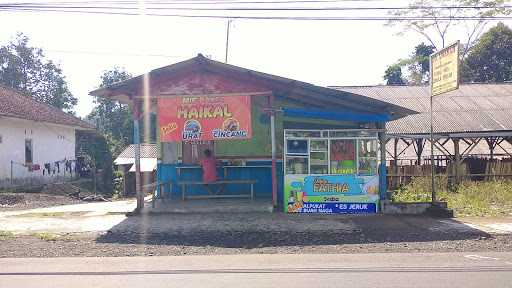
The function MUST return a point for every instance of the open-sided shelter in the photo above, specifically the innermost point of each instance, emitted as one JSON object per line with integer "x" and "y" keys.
{"x": 472, "y": 122}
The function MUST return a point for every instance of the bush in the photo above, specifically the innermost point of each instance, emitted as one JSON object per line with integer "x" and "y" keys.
{"x": 491, "y": 198}
{"x": 420, "y": 189}
{"x": 118, "y": 185}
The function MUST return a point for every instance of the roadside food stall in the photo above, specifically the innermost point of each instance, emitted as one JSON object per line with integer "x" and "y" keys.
{"x": 331, "y": 171}
{"x": 303, "y": 148}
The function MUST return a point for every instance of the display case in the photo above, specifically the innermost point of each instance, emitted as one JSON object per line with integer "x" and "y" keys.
{"x": 353, "y": 152}
{"x": 319, "y": 158}
{"x": 331, "y": 171}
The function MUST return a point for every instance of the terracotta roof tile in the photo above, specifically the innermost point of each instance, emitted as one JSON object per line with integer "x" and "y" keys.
{"x": 17, "y": 105}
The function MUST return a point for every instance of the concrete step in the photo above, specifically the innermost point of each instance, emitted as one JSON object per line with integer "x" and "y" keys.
{"x": 439, "y": 212}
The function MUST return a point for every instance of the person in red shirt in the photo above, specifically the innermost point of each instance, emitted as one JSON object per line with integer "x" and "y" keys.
{"x": 209, "y": 165}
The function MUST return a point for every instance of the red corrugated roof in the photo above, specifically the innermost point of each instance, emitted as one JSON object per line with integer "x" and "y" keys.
{"x": 14, "y": 104}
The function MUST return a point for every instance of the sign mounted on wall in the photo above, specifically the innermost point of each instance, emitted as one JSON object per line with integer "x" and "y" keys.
{"x": 331, "y": 194}
{"x": 445, "y": 70}
{"x": 204, "y": 118}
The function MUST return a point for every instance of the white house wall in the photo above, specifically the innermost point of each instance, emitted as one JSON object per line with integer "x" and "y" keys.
{"x": 50, "y": 143}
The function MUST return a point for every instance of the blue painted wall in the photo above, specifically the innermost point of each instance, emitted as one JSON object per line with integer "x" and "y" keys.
{"x": 262, "y": 189}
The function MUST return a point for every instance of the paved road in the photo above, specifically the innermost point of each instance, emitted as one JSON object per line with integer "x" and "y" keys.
{"x": 343, "y": 270}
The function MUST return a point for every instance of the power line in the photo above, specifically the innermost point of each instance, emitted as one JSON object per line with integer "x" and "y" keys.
{"x": 113, "y": 53}
{"x": 246, "y": 17}
{"x": 19, "y": 6}
{"x": 193, "y": 2}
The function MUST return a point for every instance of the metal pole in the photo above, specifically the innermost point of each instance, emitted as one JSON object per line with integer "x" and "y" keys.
{"x": 383, "y": 185}
{"x": 12, "y": 180}
{"x": 136, "y": 142}
{"x": 227, "y": 42}
{"x": 432, "y": 166}
{"x": 273, "y": 144}
{"x": 274, "y": 167}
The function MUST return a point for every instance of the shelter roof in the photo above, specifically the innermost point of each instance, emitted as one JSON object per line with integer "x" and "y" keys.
{"x": 169, "y": 81}
{"x": 473, "y": 109}
{"x": 147, "y": 150}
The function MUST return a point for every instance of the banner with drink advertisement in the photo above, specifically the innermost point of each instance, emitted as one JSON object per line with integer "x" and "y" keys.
{"x": 331, "y": 194}
{"x": 204, "y": 118}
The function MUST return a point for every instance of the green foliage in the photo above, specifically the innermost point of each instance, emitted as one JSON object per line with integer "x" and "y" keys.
{"x": 426, "y": 22}
{"x": 418, "y": 65}
{"x": 26, "y": 69}
{"x": 6, "y": 234}
{"x": 118, "y": 185}
{"x": 45, "y": 236}
{"x": 111, "y": 118}
{"x": 490, "y": 60}
{"x": 491, "y": 198}
{"x": 99, "y": 156}
{"x": 420, "y": 189}
{"x": 393, "y": 75}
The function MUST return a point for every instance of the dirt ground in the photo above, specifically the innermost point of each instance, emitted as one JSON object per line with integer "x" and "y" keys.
{"x": 83, "y": 245}
{"x": 270, "y": 233}
{"x": 102, "y": 229}
{"x": 23, "y": 201}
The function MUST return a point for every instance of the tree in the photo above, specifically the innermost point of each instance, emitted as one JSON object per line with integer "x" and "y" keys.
{"x": 26, "y": 69}
{"x": 393, "y": 75}
{"x": 490, "y": 60}
{"x": 113, "y": 119}
{"x": 418, "y": 65}
{"x": 434, "y": 21}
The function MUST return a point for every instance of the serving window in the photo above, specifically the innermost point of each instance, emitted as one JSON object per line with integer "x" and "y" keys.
{"x": 339, "y": 152}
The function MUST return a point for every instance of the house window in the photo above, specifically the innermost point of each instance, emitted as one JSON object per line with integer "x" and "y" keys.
{"x": 29, "y": 156}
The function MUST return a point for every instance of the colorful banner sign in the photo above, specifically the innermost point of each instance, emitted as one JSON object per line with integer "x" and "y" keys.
{"x": 204, "y": 118}
{"x": 330, "y": 194}
{"x": 445, "y": 70}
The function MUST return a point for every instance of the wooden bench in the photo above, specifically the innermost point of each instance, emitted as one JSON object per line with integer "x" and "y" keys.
{"x": 216, "y": 194}
{"x": 153, "y": 193}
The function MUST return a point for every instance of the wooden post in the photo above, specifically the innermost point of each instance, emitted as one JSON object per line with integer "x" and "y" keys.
{"x": 395, "y": 180}
{"x": 456, "y": 148}
{"x": 419, "y": 152}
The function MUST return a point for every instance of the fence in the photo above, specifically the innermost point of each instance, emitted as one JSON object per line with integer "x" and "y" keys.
{"x": 474, "y": 169}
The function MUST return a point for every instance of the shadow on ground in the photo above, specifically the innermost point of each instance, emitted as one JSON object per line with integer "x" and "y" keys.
{"x": 258, "y": 230}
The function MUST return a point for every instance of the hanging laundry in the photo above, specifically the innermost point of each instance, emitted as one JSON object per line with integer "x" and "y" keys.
{"x": 68, "y": 166}
{"x": 46, "y": 168}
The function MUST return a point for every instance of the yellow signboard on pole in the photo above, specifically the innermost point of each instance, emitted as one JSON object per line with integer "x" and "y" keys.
{"x": 444, "y": 77}
{"x": 445, "y": 70}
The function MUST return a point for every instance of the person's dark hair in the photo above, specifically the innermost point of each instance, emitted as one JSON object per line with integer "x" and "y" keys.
{"x": 207, "y": 152}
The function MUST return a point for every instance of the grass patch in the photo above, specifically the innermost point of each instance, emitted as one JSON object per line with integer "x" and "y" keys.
{"x": 6, "y": 234}
{"x": 45, "y": 236}
{"x": 52, "y": 214}
{"x": 492, "y": 198}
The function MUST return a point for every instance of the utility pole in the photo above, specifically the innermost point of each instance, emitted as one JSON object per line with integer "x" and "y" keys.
{"x": 227, "y": 41}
